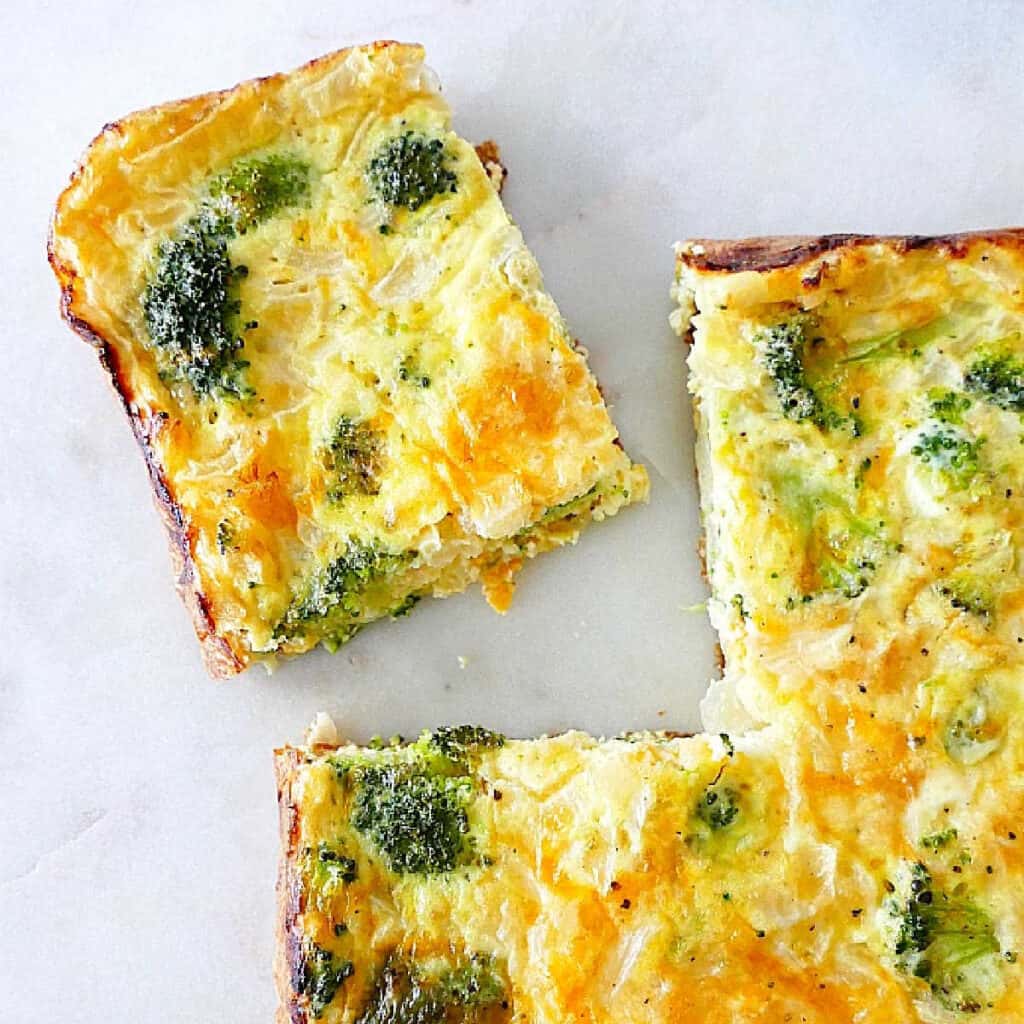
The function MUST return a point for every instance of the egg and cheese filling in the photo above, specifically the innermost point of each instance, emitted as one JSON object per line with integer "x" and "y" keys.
{"x": 471, "y": 878}
{"x": 352, "y": 385}
{"x": 861, "y": 436}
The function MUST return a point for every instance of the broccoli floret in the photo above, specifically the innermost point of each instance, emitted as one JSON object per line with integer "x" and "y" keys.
{"x": 353, "y": 458}
{"x": 969, "y": 595}
{"x": 914, "y": 913}
{"x": 474, "y": 984}
{"x": 409, "y": 170}
{"x": 782, "y": 354}
{"x": 405, "y": 606}
{"x": 346, "y": 575}
{"x": 998, "y": 378}
{"x": 318, "y": 976}
{"x": 190, "y": 303}
{"x": 410, "y": 373}
{"x": 563, "y": 510}
{"x": 412, "y": 815}
{"x": 333, "y": 865}
{"x": 910, "y": 342}
{"x": 939, "y": 840}
{"x": 190, "y": 308}
{"x": 841, "y": 549}
{"x": 950, "y": 453}
{"x": 718, "y": 806}
{"x": 326, "y": 869}
{"x": 974, "y": 729}
{"x": 945, "y": 940}
{"x": 411, "y": 993}
{"x": 458, "y": 742}
{"x": 255, "y": 189}
{"x": 330, "y": 599}
{"x": 850, "y": 578}
{"x": 948, "y": 406}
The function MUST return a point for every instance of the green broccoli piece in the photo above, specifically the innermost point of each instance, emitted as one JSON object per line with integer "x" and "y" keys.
{"x": 950, "y": 453}
{"x": 190, "y": 307}
{"x": 326, "y": 869}
{"x": 190, "y": 303}
{"x": 318, "y": 976}
{"x": 973, "y": 730}
{"x": 458, "y": 742}
{"x": 850, "y": 578}
{"x": 948, "y": 406}
{"x": 353, "y": 458}
{"x": 330, "y": 602}
{"x": 783, "y": 347}
{"x": 411, "y": 993}
{"x": 413, "y": 815}
{"x": 945, "y": 940}
{"x": 475, "y": 984}
{"x": 909, "y": 342}
{"x": 939, "y": 840}
{"x": 998, "y": 378}
{"x": 718, "y": 806}
{"x": 253, "y": 190}
{"x": 967, "y": 594}
{"x": 410, "y": 373}
{"x": 405, "y": 606}
{"x": 333, "y": 865}
{"x": 563, "y": 510}
{"x": 841, "y": 549}
{"x": 409, "y": 170}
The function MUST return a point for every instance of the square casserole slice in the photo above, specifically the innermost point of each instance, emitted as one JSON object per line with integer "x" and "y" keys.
{"x": 335, "y": 350}
{"x": 859, "y": 405}
{"x": 468, "y": 879}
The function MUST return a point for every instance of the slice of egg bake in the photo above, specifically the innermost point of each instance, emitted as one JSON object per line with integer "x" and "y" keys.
{"x": 860, "y": 415}
{"x": 335, "y": 350}
{"x": 470, "y": 879}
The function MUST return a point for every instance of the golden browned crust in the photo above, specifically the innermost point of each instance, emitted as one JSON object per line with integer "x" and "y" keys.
{"x": 490, "y": 156}
{"x": 288, "y": 958}
{"x": 220, "y": 659}
{"x": 221, "y": 656}
{"x": 774, "y": 252}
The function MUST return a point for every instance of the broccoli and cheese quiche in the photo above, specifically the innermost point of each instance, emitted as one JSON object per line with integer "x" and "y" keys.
{"x": 469, "y": 879}
{"x": 335, "y": 350}
{"x": 860, "y": 412}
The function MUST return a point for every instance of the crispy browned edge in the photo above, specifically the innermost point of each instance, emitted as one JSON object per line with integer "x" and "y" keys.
{"x": 777, "y": 252}
{"x": 288, "y": 952}
{"x": 774, "y": 252}
{"x": 220, "y": 658}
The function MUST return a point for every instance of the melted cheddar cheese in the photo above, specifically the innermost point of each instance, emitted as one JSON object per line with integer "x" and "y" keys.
{"x": 338, "y": 353}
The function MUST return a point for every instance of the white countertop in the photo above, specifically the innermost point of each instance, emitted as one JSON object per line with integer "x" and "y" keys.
{"x": 138, "y": 821}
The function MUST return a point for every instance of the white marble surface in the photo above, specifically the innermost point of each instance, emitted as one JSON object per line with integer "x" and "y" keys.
{"x": 137, "y": 819}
